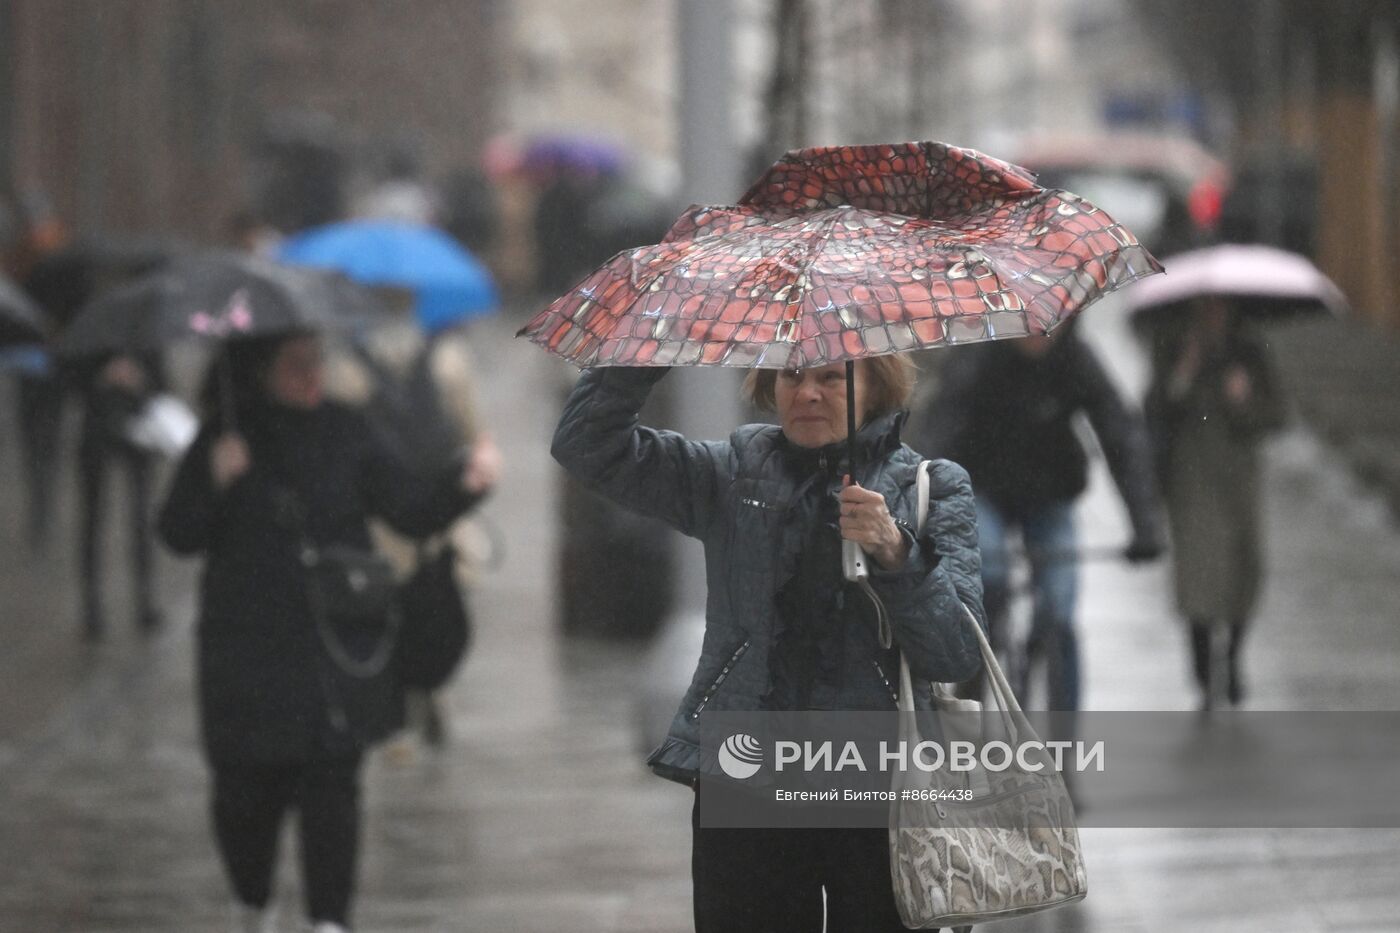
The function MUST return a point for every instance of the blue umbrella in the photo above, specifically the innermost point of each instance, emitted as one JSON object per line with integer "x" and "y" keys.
{"x": 448, "y": 283}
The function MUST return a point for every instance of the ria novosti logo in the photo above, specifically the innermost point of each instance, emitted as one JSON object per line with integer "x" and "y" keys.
{"x": 740, "y": 756}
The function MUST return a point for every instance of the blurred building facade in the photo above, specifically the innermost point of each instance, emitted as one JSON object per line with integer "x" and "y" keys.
{"x": 1316, "y": 82}
{"x": 169, "y": 115}
{"x": 605, "y": 68}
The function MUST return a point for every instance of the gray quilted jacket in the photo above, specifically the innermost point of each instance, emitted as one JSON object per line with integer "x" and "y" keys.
{"x": 733, "y": 496}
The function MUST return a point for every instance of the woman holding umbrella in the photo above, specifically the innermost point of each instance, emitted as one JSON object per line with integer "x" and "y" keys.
{"x": 785, "y": 631}
{"x": 1211, "y": 401}
{"x": 835, "y": 262}
{"x": 277, "y": 474}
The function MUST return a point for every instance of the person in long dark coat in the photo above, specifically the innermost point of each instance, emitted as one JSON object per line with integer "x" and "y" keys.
{"x": 284, "y": 725}
{"x": 1212, "y": 400}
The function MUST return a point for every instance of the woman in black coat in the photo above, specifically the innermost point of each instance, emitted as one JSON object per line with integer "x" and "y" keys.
{"x": 284, "y": 725}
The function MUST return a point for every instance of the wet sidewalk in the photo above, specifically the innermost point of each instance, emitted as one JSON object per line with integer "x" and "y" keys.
{"x": 539, "y": 816}
{"x": 1345, "y": 378}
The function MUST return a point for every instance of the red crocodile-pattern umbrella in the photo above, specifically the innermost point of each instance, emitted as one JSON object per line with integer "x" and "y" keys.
{"x": 845, "y": 252}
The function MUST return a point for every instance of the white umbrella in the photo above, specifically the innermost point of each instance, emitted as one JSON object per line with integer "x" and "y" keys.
{"x": 1263, "y": 281}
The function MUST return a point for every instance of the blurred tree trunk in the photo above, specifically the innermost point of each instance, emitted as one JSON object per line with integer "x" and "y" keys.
{"x": 786, "y": 117}
{"x": 1343, "y": 110}
{"x": 1353, "y": 234}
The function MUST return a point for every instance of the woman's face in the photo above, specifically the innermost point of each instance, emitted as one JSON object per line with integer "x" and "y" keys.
{"x": 295, "y": 377}
{"x": 812, "y": 403}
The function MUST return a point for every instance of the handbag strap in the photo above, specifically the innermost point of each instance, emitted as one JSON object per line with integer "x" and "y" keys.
{"x": 373, "y": 664}
{"x": 378, "y": 659}
{"x": 1007, "y": 705}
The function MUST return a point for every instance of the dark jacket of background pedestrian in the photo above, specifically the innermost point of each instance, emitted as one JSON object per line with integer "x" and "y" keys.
{"x": 1006, "y": 412}
{"x": 1008, "y": 418}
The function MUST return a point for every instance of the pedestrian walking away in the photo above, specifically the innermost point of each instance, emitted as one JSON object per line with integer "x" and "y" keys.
{"x": 55, "y": 292}
{"x": 289, "y": 702}
{"x": 417, "y": 388}
{"x": 1212, "y": 399}
{"x": 784, "y": 629}
{"x": 114, "y": 390}
{"x": 1005, "y": 412}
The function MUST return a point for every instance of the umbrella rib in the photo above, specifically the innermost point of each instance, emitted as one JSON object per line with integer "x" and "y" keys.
{"x": 814, "y": 250}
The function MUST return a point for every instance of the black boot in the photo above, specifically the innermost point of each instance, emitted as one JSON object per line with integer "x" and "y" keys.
{"x": 1234, "y": 688}
{"x": 1201, "y": 662}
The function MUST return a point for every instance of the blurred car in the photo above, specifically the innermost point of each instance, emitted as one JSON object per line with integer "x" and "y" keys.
{"x": 1168, "y": 190}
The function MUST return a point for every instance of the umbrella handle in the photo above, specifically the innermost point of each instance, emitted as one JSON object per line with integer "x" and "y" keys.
{"x": 855, "y": 566}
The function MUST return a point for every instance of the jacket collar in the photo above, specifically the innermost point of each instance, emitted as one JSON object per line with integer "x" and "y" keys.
{"x": 875, "y": 440}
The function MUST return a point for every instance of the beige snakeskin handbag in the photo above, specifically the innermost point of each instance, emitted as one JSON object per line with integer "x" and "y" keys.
{"x": 1012, "y": 848}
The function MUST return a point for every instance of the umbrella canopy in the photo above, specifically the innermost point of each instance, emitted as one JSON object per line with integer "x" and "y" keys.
{"x": 216, "y": 296}
{"x": 547, "y": 156}
{"x": 449, "y": 284}
{"x": 846, "y": 252}
{"x": 65, "y": 280}
{"x": 19, "y": 317}
{"x": 586, "y": 155}
{"x": 1260, "y": 281}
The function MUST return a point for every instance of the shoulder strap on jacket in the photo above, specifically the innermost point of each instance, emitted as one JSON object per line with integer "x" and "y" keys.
{"x": 921, "y": 512}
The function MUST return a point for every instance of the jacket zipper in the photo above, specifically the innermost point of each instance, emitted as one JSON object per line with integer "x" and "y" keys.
{"x": 724, "y": 672}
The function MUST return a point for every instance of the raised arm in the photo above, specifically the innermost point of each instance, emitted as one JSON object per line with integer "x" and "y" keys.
{"x": 413, "y": 504}
{"x": 602, "y": 443}
{"x": 1122, "y": 434}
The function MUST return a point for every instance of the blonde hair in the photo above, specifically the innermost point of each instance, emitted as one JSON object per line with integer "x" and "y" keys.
{"x": 889, "y": 379}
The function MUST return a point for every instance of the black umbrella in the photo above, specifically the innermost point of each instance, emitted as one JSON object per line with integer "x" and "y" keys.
{"x": 217, "y": 296}
{"x": 64, "y": 281}
{"x": 19, "y": 316}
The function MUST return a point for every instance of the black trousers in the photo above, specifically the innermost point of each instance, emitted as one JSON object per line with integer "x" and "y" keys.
{"x": 96, "y": 458}
{"x": 771, "y": 880}
{"x": 250, "y": 802}
{"x": 40, "y": 402}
